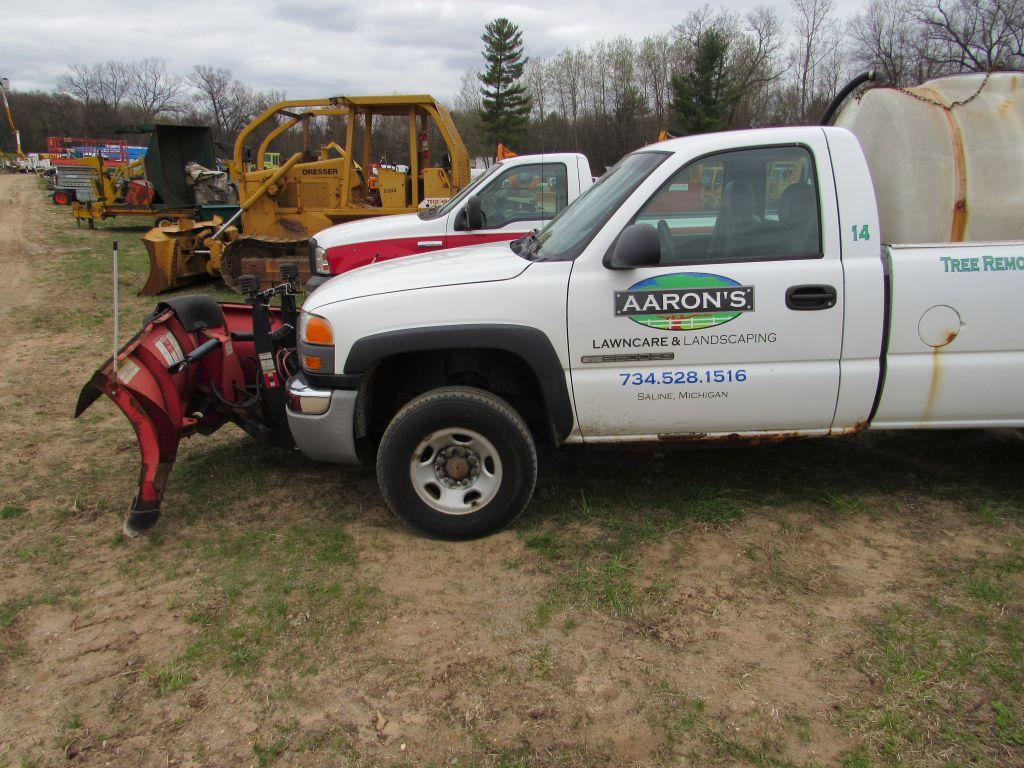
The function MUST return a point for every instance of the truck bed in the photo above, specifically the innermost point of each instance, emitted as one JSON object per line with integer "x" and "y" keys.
{"x": 954, "y": 353}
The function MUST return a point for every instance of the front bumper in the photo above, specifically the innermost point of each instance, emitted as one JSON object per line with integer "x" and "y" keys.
{"x": 327, "y": 435}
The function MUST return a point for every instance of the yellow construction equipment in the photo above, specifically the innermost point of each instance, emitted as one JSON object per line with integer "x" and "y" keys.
{"x": 156, "y": 185}
{"x": 120, "y": 189}
{"x": 5, "y": 84}
{"x": 281, "y": 208}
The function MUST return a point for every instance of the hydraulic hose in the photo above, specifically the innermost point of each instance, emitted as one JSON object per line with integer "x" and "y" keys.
{"x": 833, "y": 106}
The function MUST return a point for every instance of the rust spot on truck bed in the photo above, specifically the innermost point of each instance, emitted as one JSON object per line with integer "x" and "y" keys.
{"x": 933, "y": 385}
{"x": 935, "y": 382}
{"x": 860, "y": 426}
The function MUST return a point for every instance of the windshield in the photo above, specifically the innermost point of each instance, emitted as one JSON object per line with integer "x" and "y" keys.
{"x": 570, "y": 232}
{"x": 433, "y": 213}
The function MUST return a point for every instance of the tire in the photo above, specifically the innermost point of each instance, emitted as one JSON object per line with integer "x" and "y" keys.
{"x": 457, "y": 463}
{"x": 61, "y": 197}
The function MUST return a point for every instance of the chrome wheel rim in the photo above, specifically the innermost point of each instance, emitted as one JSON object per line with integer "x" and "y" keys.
{"x": 456, "y": 471}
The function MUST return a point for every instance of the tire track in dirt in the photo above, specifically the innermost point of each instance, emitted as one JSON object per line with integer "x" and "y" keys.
{"x": 23, "y": 252}
{"x": 66, "y": 662}
{"x": 20, "y": 222}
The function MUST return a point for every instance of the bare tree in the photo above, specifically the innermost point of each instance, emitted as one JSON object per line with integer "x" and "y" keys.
{"x": 226, "y": 103}
{"x": 80, "y": 81}
{"x": 569, "y": 70}
{"x": 755, "y": 61}
{"x": 654, "y": 70}
{"x": 113, "y": 80}
{"x": 888, "y": 39}
{"x": 537, "y": 80}
{"x": 153, "y": 90}
{"x": 466, "y": 113}
{"x": 468, "y": 97}
{"x": 597, "y": 75}
{"x": 757, "y": 64}
{"x": 628, "y": 103}
{"x": 693, "y": 26}
{"x": 974, "y": 35}
{"x": 815, "y": 54}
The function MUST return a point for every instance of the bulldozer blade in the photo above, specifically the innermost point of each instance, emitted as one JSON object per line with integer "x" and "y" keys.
{"x": 176, "y": 256}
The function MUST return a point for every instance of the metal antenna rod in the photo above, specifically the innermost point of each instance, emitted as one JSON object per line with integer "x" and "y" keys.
{"x": 117, "y": 328}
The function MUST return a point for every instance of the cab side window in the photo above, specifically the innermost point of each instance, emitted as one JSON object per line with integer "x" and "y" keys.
{"x": 525, "y": 193}
{"x": 747, "y": 205}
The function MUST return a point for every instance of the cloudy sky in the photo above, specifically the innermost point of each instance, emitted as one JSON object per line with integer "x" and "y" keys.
{"x": 313, "y": 48}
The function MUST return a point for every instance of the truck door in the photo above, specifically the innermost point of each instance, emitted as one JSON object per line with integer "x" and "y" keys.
{"x": 519, "y": 199}
{"x": 738, "y": 329}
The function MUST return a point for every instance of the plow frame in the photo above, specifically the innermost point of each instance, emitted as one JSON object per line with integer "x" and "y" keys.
{"x": 193, "y": 367}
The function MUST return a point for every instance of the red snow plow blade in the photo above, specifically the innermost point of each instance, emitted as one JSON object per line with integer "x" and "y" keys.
{"x": 193, "y": 367}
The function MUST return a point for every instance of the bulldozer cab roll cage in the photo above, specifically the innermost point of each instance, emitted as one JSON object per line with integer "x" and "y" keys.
{"x": 420, "y": 110}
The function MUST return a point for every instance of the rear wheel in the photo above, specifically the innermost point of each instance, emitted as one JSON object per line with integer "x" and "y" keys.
{"x": 457, "y": 463}
{"x": 61, "y": 197}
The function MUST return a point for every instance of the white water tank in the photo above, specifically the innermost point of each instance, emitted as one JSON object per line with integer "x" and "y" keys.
{"x": 945, "y": 171}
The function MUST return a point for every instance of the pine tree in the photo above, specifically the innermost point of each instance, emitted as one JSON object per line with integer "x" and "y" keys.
{"x": 506, "y": 104}
{"x": 704, "y": 97}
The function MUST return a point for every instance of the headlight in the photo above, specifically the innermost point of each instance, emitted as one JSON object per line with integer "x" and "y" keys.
{"x": 323, "y": 266}
{"x": 314, "y": 329}
{"x": 318, "y": 259}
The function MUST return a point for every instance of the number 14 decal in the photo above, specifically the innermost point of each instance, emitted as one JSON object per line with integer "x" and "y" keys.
{"x": 861, "y": 232}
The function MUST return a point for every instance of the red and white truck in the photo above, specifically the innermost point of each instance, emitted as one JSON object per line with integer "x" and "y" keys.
{"x": 512, "y": 197}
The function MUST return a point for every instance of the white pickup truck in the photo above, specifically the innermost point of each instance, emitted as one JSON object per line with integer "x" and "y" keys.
{"x": 729, "y": 285}
{"x": 509, "y": 199}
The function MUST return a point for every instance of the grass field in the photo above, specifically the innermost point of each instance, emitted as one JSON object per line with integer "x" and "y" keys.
{"x": 849, "y": 603}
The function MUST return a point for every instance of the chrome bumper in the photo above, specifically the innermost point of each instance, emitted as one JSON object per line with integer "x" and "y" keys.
{"x": 322, "y": 421}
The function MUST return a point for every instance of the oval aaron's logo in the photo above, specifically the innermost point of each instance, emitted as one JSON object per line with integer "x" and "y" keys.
{"x": 684, "y": 301}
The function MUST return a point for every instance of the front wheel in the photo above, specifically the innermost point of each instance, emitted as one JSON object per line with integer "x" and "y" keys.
{"x": 457, "y": 463}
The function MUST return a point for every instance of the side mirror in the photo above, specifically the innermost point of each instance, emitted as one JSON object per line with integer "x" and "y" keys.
{"x": 471, "y": 216}
{"x": 637, "y": 246}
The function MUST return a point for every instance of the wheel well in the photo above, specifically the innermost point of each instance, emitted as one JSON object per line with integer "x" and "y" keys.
{"x": 393, "y": 381}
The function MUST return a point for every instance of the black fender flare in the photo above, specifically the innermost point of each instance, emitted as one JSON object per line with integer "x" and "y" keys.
{"x": 530, "y": 344}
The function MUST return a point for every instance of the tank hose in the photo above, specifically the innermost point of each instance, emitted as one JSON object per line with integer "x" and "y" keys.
{"x": 837, "y": 101}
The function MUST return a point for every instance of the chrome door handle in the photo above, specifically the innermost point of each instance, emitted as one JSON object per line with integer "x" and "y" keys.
{"x": 429, "y": 244}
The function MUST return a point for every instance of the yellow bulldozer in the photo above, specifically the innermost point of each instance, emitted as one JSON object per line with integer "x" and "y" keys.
{"x": 281, "y": 208}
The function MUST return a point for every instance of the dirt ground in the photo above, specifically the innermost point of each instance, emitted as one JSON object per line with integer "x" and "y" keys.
{"x": 838, "y": 602}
